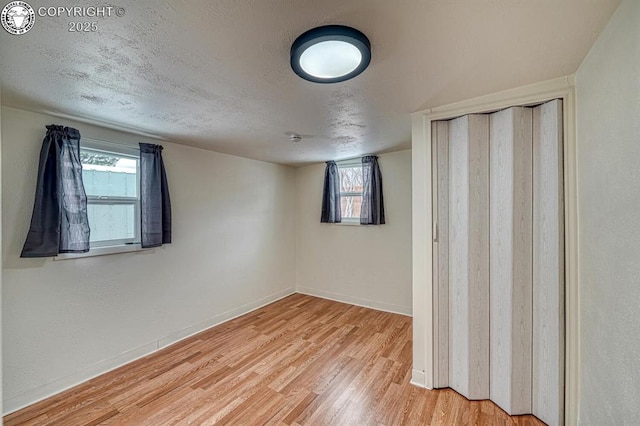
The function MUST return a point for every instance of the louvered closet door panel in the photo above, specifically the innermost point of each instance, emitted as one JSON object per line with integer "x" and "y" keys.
{"x": 469, "y": 246}
{"x": 511, "y": 259}
{"x": 440, "y": 141}
{"x": 548, "y": 264}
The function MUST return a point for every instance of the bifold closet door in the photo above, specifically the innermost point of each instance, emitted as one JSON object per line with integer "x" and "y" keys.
{"x": 440, "y": 169}
{"x": 469, "y": 246}
{"x": 510, "y": 256}
{"x": 548, "y": 264}
{"x": 499, "y": 258}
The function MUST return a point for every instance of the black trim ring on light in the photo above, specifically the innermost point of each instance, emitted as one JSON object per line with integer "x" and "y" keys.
{"x": 330, "y": 33}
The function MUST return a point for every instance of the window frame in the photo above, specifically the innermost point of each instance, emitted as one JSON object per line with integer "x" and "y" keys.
{"x": 121, "y": 245}
{"x": 348, "y": 164}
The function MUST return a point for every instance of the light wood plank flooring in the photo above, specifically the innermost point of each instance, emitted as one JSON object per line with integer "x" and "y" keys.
{"x": 299, "y": 361}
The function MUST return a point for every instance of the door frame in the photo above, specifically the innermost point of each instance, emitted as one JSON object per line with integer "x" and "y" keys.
{"x": 425, "y": 313}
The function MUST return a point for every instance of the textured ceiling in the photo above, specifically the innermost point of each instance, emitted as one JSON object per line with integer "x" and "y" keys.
{"x": 215, "y": 74}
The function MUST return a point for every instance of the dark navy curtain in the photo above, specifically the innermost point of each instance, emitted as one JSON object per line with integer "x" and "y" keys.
{"x": 331, "y": 195}
{"x": 372, "y": 211}
{"x": 155, "y": 204}
{"x": 59, "y": 222}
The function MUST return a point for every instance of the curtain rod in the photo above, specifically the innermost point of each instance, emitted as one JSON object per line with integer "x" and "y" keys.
{"x": 355, "y": 159}
{"x": 123, "y": 145}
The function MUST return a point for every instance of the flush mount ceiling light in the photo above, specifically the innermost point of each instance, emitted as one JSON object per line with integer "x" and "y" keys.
{"x": 330, "y": 54}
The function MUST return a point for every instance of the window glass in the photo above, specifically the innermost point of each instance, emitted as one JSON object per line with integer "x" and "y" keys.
{"x": 350, "y": 192}
{"x": 111, "y": 221}
{"x": 350, "y": 206}
{"x": 106, "y": 174}
{"x": 113, "y": 206}
{"x": 351, "y": 179}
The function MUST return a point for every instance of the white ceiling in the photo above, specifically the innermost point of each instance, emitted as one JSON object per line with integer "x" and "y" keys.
{"x": 215, "y": 74}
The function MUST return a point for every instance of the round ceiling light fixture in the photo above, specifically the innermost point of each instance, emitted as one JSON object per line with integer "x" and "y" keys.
{"x": 330, "y": 54}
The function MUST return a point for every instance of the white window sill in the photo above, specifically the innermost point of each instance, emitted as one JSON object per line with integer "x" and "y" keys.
{"x": 349, "y": 222}
{"x": 101, "y": 251}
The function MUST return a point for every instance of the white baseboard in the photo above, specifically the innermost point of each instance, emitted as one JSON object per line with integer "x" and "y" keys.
{"x": 418, "y": 378}
{"x": 358, "y": 301}
{"x": 32, "y": 396}
{"x": 224, "y": 317}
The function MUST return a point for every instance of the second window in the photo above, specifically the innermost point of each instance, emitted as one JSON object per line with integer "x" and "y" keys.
{"x": 351, "y": 187}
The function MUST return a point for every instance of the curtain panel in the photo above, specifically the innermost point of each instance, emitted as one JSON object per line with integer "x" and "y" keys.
{"x": 331, "y": 195}
{"x": 155, "y": 204}
{"x": 59, "y": 222}
{"x": 372, "y": 211}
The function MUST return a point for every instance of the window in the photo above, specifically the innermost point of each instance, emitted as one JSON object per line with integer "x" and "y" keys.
{"x": 111, "y": 181}
{"x": 351, "y": 187}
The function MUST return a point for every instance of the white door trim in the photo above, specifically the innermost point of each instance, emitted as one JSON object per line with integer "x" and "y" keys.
{"x": 423, "y": 313}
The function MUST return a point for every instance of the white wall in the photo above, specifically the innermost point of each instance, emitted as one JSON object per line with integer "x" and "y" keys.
{"x": 363, "y": 265}
{"x": 1, "y": 272}
{"x": 66, "y": 321}
{"x": 608, "y": 112}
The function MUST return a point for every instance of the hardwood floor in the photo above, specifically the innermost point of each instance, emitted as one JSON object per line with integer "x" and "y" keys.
{"x": 299, "y": 361}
